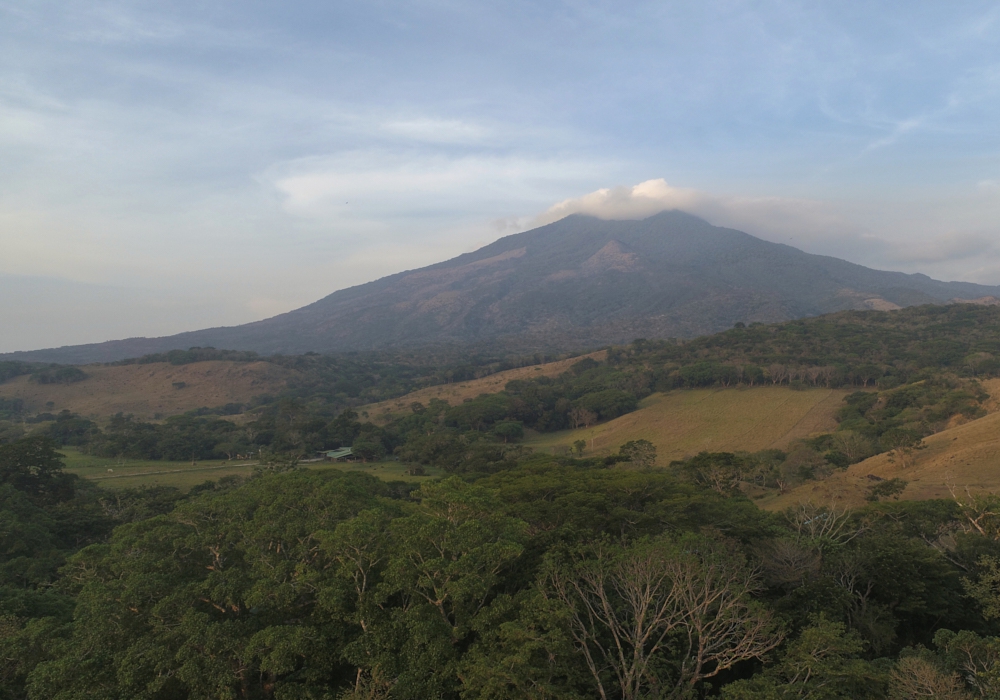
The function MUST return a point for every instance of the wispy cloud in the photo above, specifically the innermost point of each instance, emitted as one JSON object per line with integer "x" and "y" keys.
{"x": 380, "y": 183}
{"x": 438, "y": 131}
{"x": 242, "y": 148}
{"x": 817, "y": 226}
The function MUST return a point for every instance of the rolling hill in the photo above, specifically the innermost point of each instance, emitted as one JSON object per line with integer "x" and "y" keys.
{"x": 457, "y": 392}
{"x": 683, "y": 423}
{"x": 964, "y": 456}
{"x": 579, "y": 282}
{"x": 151, "y": 390}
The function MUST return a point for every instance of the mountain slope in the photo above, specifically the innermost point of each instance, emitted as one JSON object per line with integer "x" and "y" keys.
{"x": 578, "y": 282}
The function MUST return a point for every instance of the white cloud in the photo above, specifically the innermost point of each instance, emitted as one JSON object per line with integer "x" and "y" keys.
{"x": 911, "y": 236}
{"x": 636, "y": 202}
{"x": 437, "y": 131}
{"x": 774, "y": 218}
{"x": 383, "y": 183}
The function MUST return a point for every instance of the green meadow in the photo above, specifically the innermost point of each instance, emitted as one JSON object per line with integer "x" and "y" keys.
{"x": 130, "y": 473}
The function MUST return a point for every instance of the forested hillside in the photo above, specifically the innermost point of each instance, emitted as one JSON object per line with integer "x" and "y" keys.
{"x": 520, "y": 574}
{"x": 910, "y": 371}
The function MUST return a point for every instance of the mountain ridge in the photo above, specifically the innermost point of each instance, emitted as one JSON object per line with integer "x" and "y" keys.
{"x": 576, "y": 283}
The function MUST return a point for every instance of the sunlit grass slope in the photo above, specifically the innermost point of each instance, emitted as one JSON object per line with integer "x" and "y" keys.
{"x": 457, "y": 392}
{"x": 965, "y": 456}
{"x": 685, "y": 422}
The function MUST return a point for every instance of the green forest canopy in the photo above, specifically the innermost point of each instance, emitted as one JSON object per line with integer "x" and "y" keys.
{"x": 520, "y": 575}
{"x": 557, "y": 578}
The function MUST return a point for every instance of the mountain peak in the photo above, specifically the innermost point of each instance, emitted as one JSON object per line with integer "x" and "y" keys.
{"x": 575, "y": 283}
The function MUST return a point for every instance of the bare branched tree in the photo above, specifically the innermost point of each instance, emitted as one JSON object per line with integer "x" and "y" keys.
{"x": 915, "y": 677}
{"x": 777, "y": 373}
{"x": 582, "y": 416}
{"x": 656, "y": 618}
{"x": 980, "y": 512}
{"x": 823, "y": 523}
{"x": 855, "y": 446}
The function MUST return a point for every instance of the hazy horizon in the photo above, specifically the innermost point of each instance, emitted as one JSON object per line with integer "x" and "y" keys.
{"x": 169, "y": 169}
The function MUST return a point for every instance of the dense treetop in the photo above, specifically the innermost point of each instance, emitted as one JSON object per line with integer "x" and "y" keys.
{"x": 556, "y": 578}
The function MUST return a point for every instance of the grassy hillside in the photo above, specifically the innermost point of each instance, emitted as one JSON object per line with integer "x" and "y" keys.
{"x": 457, "y": 392}
{"x": 151, "y": 390}
{"x": 964, "y": 456}
{"x": 685, "y": 422}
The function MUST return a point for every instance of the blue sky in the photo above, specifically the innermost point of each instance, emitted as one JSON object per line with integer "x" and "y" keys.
{"x": 169, "y": 166}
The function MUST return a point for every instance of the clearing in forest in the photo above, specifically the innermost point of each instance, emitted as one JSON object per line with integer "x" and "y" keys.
{"x": 685, "y": 422}
{"x": 154, "y": 390}
{"x": 143, "y": 473}
{"x": 457, "y": 392}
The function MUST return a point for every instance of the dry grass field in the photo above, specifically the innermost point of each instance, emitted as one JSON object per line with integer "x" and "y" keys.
{"x": 456, "y": 393}
{"x": 149, "y": 391}
{"x": 685, "y": 422}
{"x": 112, "y": 474}
{"x": 965, "y": 456}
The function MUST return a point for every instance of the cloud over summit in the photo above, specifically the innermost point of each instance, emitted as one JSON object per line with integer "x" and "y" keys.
{"x": 902, "y": 237}
{"x": 622, "y": 202}
{"x": 774, "y": 218}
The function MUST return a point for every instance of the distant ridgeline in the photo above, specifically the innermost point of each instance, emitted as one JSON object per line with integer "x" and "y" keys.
{"x": 355, "y": 378}
{"x": 916, "y": 369}
{"x": 851, "y": 348}
{"x": 186, "y": 357}
{"x": 580, "y": 282}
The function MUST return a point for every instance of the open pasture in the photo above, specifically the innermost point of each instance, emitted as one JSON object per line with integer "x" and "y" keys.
{"x": 685, "y": 422}
{"x": 148, "y": 391}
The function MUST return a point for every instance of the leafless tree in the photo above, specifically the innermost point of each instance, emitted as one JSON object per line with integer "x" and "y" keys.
{"x": 654, "y": 619}
{"x": 823, "y": 523}
{"x": 582, "y": 416}
{"x": 855, "y": 446}
{"x": 777, "y": 373}
{"x": 721, "y": 478}
{"x": 980, "y": 512}
{"x": 827, "y": 374}
{"x": 915, "y": 677}
{"x": 785, "y": 562}
{"x": 813, "y": 374}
